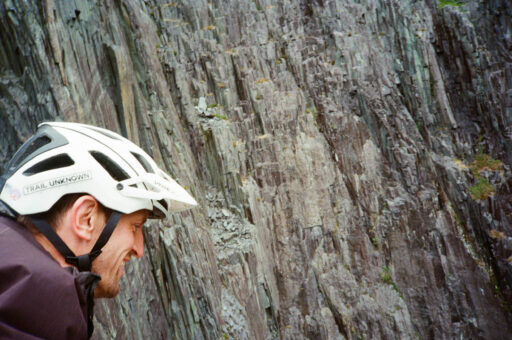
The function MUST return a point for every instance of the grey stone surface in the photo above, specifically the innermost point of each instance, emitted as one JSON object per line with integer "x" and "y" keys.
{"x": 332, "y": 163}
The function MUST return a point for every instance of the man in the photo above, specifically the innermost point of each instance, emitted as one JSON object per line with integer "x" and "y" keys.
{"x": 73, "y": 202}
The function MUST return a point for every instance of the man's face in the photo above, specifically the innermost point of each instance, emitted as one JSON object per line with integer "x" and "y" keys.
{"x": 126, "y": 241}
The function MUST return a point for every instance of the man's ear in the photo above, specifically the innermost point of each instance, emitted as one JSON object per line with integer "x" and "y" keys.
{"x": 85, "y": 213}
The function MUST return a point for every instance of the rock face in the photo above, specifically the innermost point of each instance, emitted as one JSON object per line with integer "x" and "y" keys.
{"x": 352, "y": 162}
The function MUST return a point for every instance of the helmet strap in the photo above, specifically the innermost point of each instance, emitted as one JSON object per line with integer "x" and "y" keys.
{"x": 82, "y": 262}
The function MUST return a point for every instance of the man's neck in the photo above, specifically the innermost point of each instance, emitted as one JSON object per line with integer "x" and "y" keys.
{"x": 48, "y": 246}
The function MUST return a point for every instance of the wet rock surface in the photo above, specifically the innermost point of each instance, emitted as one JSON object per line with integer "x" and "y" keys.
{"x": 344, "y": 155}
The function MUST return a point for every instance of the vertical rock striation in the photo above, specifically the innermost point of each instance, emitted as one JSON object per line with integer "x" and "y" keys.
{"x": 352, "y": 163}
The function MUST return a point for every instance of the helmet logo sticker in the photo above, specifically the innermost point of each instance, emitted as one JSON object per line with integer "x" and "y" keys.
{"x": 59, "y": 181}
{"x": 160, "y": 185}
{"x": 14, "y": 193}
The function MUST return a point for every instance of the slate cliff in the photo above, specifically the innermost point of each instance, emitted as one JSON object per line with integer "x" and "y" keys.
{"x": 352, "y": 164}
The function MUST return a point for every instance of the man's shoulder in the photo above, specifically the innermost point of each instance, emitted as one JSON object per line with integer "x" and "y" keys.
{"x": 23, "y": 259}
{"x": 37, "y": 295}
{"x": 19, "y": 250}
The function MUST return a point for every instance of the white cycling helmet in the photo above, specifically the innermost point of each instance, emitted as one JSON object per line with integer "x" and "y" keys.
{"x": 65, "y": 158}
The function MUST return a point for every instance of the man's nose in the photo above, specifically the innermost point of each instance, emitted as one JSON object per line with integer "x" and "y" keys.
{"x": 138, "y": 244}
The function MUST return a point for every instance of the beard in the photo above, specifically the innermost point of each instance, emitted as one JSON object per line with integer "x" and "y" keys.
{"x": 108, "y": 287}
{"x": 106, "y": 290}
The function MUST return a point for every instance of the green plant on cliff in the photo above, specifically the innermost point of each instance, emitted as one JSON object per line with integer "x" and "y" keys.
{"x": 484, "y": 162}
{"x": 453, "y": 3}
{"x": 483, "y": 188}
{"x": 219, "y": 116}
{"x": 385, "y": 276}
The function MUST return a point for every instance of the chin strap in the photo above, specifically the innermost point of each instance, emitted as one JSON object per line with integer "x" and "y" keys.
{"x": 82, "y": 262}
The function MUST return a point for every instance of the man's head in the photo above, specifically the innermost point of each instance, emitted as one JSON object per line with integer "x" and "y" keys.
{"x": 79, "y": 220}
{"x": 94, "y": 190}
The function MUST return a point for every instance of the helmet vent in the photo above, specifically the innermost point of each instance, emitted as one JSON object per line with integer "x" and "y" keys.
{"x": 164, "y": 204}
{"x": 145, "y": 164}
{"x": 110, "y": 166}
{"x": 55, "y": 162}
{"x": 33, "y": 146}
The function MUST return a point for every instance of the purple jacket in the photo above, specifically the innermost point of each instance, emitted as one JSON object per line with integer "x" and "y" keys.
{"x": 38, "y": 298}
